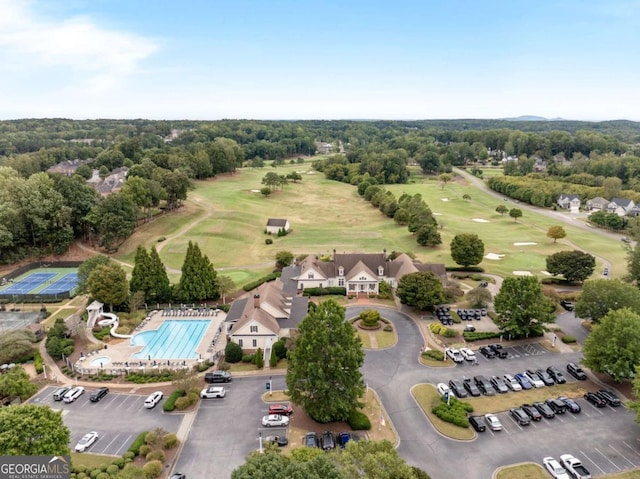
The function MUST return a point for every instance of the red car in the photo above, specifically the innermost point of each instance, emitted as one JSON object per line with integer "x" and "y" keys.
{"x": 283, "y": 409}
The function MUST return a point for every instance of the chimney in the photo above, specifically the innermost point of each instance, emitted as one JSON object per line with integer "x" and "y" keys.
{"x": 256, "y": 300}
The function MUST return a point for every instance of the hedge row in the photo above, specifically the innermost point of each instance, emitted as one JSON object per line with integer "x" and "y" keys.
{"x": 478, "y": 335}
{"x": 337, "y": 290}
{"x": 258, "y": 282}
{"x": 358, "y": 421}
{"x": 138, "y": 442}
{"x": 455, "y": 412}
{"x": 170, "y": 403}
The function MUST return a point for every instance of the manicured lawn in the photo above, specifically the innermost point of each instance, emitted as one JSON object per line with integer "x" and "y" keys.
{"x": 384, "y": 339}
{"x": 90, "y": 460}
{"x": 426, "y": 395}
{"x": 523, "y": 471}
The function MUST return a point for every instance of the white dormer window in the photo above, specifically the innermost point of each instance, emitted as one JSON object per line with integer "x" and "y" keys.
{"x": 341, "y": 271}
{"x": 254, "y": 329}
{"x": 310, "y": 275}
{"x": 380, "y": 270}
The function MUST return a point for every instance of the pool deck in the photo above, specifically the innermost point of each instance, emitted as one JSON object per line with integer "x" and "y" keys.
{"x": 120, "y": 352}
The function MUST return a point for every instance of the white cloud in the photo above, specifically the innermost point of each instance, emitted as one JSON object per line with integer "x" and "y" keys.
{"x": 99, "y": 58}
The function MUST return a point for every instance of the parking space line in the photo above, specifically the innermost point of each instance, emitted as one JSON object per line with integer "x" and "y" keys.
{"x": 622, "y": 455}
{"x": 631, "y": 448}
{"x": 592, "y": 462}
{"x": 112, "y": 441}
{"x": 124, "y": 444}
{"x": 612, "y": 463}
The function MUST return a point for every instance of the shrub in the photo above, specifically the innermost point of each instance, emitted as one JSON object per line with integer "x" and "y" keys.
{"x": 248, "y": 358}
{"x": 130, "y": 454}
{"x": 182, "y": 403}
{"x": 144, "y": 450}
{"x": 259, "y": 359}
{"x": 112, "y": 470}
{"x": 156, "y": 455}
{"x": 358, "y": 421}
{"x": 119, "y": 462}
{"x": 37, "y": 363}
{"x": 568, "y": 339}
{"x": 273, "y": 358}
{"x": 152, "y": 469}
{"x": 435, "y": 328}
{"x": 478, "y": 335}
{"x": 470, "y": 269}
{"x": 151, "y": 438}
{"x": 388, "y": 328}
{"x": 232, "y": 352}
{"x": 137, "y": 443}
{"x": 370, "y": 318}
{"x": 336, "y": 290}
{"x": 103, "y": 467}
{"x": 449, "y": 333}
{"x": 102, "y": 475}
{"x": 170, "y": 404}
{"x": 455, "y": 412}
{"x": 268, "y": 241}
{"x": 169, "y": 441}
{"x": 258, "y": 282}
{"x": 280, "y": 348}
{"x": 385, "y": 291}
{"x": 452, "y": 292}
{"x": 434, "y": 354}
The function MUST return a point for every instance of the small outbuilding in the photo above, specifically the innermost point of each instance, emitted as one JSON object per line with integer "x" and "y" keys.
{"x": 274, "y": 225}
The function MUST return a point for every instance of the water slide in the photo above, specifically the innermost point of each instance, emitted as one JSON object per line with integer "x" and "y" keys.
{"x": 113, "y": 321}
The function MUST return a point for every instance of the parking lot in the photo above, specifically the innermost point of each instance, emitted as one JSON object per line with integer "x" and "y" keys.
{"x": 118, "y": 418}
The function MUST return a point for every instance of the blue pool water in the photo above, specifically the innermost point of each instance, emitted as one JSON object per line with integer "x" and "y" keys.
{"x": 175, "y": 339}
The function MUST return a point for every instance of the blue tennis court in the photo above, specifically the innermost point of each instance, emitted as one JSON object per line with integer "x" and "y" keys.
{"x": 27, "y": 284}
{"x": 174, "y": 339}
{"x": 64, "y": 284}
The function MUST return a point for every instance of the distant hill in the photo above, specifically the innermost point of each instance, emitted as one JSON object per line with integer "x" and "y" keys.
{"x": 532, "y": 118}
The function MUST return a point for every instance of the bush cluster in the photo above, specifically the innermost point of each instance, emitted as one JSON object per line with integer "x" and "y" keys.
{"x": 434, "y": 354}
{"x": 478, "y": 335}
{"x": 58, "y": 341}
{"x": 370, "y": 318}
{"x": 437, "y": 328}
{"x": 358, "y": 421}
{"x": 388, "y": 328}
{"x": 455, "y": 412}
{"x": 170, "y": 404}
{"x": 337, "y": 290}
{"x": 233, "y": 353}
{"x": 137, "y": 443}
{"x": 258, "y": 282}
{"x": 164, "y": 375}
{"x": 568, "y": 339}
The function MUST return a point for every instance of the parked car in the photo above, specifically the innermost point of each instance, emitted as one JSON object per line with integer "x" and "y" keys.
{"x": 556, "y": 405}
{"x": 555, "y": 469}
{"x": 487, "y": 352}
{"x": 532, "y": 412}
{"x": 512, "y": 383}
{"x": 73, "y": 394}
{"x": 153, "y": 399}
{"x": 575, "y": 466}
{"x": 567, "y": 305}
{"x": 468, "y": 354}
{"x": 471, "y": 388}
{"x": 284, "y": 409}
{"x": 178, "y": 475}
{"x": 499, "y": 385}
{"x": 556, "y": 374}
{"x": 328, "y": 441}
{"x": 455, "y": 355}
{"x": 609, "y": 397}
{"x": 499, "y": 351}
{"x": 311, "y": 440}
{"x": 572, "y": 406}
{"x": 478, "y": 423}
{"x": 343, "y": 438}
{"x": 280, "y": 441}
{"x": 576, "y": 371}
{"x": 217, "y": 377}
{"x": 470, "y": 328}
{"x": 484, "y": 385}
{"x": 86, "y": 442}
{"x": 98, "y": 394}
{"x": 458, "y": 388}
{"x": 275, "y": 420}
{"x": 534, "y": 379}
{"x": 443, "y": 389}
{"x": 212, "y": 392}
{"x": 520, "y": 416}
{"x": 493, "y": 422}
{"x": 59, "y": 393}
{"x": 524, "y": 382}
{"x": 594, "y": 399}
{"x": 544, "y": 409}
{"x": 545, "y": 377}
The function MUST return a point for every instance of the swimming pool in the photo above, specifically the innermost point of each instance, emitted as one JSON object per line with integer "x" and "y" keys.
{"x": 174, "y": 339}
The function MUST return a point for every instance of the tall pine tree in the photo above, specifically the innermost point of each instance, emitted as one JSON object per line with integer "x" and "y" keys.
{"x": 198, "y": 280}
{"x": 160, "y": 290}
{"x": 141, "y": 274}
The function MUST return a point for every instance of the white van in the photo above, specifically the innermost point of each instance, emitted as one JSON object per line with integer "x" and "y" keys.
{"x": 73, "y": 394}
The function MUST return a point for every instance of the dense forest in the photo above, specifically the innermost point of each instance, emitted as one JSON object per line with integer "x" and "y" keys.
{"x": 42, "y": 213}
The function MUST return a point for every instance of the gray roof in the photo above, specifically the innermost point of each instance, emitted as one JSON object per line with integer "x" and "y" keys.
{"x": 624, "y": 202}
{"x": 277, "y": 222}
{"x": 290, "y": 285}
{"x": 299, "y": 310}
{"x": 236, "y": 309}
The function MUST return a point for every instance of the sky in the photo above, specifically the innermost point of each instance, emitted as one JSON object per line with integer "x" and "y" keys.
{"x": 331, "y": 59}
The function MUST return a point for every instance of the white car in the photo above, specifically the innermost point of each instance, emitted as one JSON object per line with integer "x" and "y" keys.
{"x": 468, "y": 354}
{"x": 555, "y": 469}
{"x": 493, "y": 422}
{"x": 87, "y": 441}
{"x": 153, "y": 399}
{"x": 213, "y": 392}
{"x": 534, "y": 379}
{"x": 512, "y": 383}
{"x": 455, "y": 355}
{"x": 73, "y": 394}
{"x": 443, "y": 389}
{"x": 275, "y": 420}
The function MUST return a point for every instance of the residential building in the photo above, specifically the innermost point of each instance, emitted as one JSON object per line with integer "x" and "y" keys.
{"x": 274, "y": 225}
{"x": 571, "y": 202}
{"x": 620, "y": 206}
{"x": 597, "y": 204}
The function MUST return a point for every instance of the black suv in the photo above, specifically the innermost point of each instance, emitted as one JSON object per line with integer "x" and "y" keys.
{"x": 471, "y": 388}
{"x": 520, "y": 416}
{"x": 556, "y": 374}
{"x": 567, "y": 305}
{"x": 545, "y": 377}
{"x": 328, "y": 441}
{"x": 576, "y": 371}
{"x": 484, "y": 385}
{"x": 478, "y": 423}
{"x": 98, "y": 394}
{"x": 458, "y": 388}
{"x": 556, "y": 405}
{"x": 609, "y": 397}
{"x": 498, "y": 351}
{"x": 595, "y": 399}
{"x": 218, "y": 377}
{"x": 544, "y": 409}
{"x": 487, "y": 352}
{"x": 311, "y": 439}
{"x": 532, "y": 412}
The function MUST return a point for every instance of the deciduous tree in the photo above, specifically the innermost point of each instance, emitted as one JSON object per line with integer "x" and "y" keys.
{"x": 575, "y": 266}
{"x": 225, "y": 286}
{"x": 613, "y": 346}
{"x": 599, "y": 296}
{"x": 420, "y": 290}
{"x": 86, "y": 268}
{"x": 467, "y": 249}
{"x": 284, "y": 259}
{"x": 522, "y": 309}
{"x": 16, "y": 383}
{"x": 515, "y": 213}
{"x": 556, "y": 233}
{"x": 324, "y": 367}
{"x": 108, "y": 284}
{"x": 32, "y": 430}
{"x": 479, "y": 297}
{"x": 502, "y": 209}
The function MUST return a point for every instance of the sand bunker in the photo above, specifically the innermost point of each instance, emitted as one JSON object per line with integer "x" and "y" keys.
{"x": 255, "y": 191}
{"x": 524, "y": 243}
{"x": 546, "y": 273}
{"x": 444, "y": 199}
{"x": 523, "y": 273}
{"x": 494, "y": 256}
{"x": 480, "y": 220}
{"x": 436, "y": 214}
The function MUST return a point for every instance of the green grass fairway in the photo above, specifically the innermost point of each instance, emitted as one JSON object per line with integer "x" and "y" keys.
{"x": 227, "y": 219}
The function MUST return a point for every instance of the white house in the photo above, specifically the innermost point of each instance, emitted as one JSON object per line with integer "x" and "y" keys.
{"x": 274, "y": 225}
{"x": 571, "y": 202}
{"x": 620, "y": 206}
{"x": 597, "y": 204}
